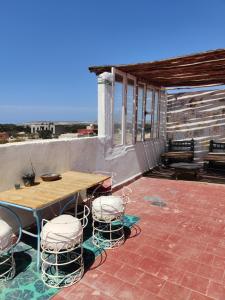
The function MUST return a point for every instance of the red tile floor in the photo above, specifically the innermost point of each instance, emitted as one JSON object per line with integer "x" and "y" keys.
{"x": 175, "y": 252}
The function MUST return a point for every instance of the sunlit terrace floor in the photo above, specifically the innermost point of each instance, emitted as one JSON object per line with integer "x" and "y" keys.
{"x": 175, "y": 252}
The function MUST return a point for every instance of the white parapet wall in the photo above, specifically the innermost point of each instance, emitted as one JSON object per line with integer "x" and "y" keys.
{"x": 86, "y": 154}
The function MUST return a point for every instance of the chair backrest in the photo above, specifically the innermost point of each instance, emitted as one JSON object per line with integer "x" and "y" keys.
{"x": 216, "y": 146}
{"x": 187, "y": 145}
{"x": 126, "y": 192}
{"x": 12, "y": 219}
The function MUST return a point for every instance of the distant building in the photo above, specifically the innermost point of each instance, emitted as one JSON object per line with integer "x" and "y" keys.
{"x": 35, "y": 127}
{"x": 88, "y": 131}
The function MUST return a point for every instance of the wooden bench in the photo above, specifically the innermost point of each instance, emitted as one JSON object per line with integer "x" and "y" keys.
{"x": 216, "y": 155}
{"x": 178, "y": 151}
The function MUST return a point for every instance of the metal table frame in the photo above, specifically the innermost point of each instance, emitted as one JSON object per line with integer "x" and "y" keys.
{"x": 36, "y": 215}
{"x": 67, "y": 190}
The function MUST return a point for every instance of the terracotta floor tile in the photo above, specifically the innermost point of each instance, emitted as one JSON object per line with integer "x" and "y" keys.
{"x": 197, "y": 296}
{"x": 131, "y": 258}
{"x": 185, "y": 236}
{"x": 171, "y": 274}
{"x": 58, "y": 297}
{"x": 186, "y": 251}
{"x": 162, "y": 235}
{"x": 172, "y": 291}
{"x": 79, "y": 290}
{"x": 150, "y": 283}
{"x": 195, "y": 282}
{"x": 216, "y": 250}
{"x": 187, "y": 265}
{"x": 110, "y": 266}
{"x": 131, "y": 292}
{"x": 95, "y": 295}
{"x": 146, "y": 250}
{"x": 166, "y": 258}
{"x": 91, "y": 276}
{"x": 219, "y": 262}
{"x": 211, "y": 272}
{"x": 132, "y": 244}
{"x": 206, "y": 258}
{"x": 149, "y": 265}
{"x": 107, "y": 284}
{"x": 128, "y": 274}
{"x": 216, "y": 291}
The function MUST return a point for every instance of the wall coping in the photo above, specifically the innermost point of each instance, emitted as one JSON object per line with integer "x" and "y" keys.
{"x": 48, "y": 141}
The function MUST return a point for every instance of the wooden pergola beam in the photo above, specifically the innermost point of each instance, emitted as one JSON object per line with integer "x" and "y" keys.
{"x": 201, "y": 68}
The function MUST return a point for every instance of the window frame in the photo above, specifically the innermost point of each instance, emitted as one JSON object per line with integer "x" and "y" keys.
{"x": 151, "y": 113}
{"x": 134, "y": 79}
{"x": 143, "y": 85}
{"x": 122, "y": 74}
{"x": 156, "y": 135}
{"x": 125, "y": 78}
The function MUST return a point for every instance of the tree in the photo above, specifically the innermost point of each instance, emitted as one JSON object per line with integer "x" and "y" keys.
{"x": 45, "y": 134}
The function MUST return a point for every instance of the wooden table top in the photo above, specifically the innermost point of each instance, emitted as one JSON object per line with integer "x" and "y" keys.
{"x": 45, "y": 193}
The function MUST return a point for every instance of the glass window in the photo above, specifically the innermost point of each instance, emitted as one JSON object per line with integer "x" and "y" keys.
{"x": 148, "y": 113}
{"x": 117, "y": 110}
{"x": 130, "y": 111}
{"x": 156, "y": 115}
{"x": 140, "y": 112}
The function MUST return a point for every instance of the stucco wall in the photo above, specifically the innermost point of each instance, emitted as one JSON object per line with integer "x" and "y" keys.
{"x": 86, "y": 154}
{"x": 198, "y": 115}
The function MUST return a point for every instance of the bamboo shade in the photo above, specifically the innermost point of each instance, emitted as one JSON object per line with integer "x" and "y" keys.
{"x": 192, "y": 70}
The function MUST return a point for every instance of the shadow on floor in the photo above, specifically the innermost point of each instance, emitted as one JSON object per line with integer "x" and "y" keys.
{"x": 209, "y": 176}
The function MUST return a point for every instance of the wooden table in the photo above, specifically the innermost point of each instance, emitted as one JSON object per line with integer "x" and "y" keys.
{"x": 184, "y": 168}
{"x": 44, "y": 194}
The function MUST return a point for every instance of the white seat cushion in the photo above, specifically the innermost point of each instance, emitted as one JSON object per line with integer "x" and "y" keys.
{"x": 62, "y": 232}
{"x": 6, "y": 235}
{"x": 107, "y": 207}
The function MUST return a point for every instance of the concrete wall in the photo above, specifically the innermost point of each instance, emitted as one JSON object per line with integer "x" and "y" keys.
{"x": 86, "y": 154}
{"x": 198, "y": 115}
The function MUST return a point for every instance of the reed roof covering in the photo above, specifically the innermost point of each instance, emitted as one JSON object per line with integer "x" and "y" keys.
{"x": 205, "y": 68}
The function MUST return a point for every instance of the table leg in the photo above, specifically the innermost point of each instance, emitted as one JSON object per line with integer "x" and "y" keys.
{"x": 197, "y": 175}
{"x": 36, "y": 216}
{"x": 74, "y": 199}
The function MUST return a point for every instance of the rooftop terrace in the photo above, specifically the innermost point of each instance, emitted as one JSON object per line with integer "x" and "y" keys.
{"x": 175, "y": 246}
{"x": 175, "y": 252}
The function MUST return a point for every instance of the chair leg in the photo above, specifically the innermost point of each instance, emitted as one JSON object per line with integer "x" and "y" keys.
{"x": 62, "y": 268}
{"x": 108, "y": 234}
{"x": 7, "y": 266}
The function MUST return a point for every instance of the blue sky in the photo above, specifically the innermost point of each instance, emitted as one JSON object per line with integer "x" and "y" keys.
{"x": 46, "y": 47}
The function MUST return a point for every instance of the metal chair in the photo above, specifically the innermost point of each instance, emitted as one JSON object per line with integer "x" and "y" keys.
{"x": 80, "y": 211}
{"x": 108, "y": 220}
{"x": 10, "y": 234}
{"x": 62, "y": 252}
{"x": 101, "y": 189}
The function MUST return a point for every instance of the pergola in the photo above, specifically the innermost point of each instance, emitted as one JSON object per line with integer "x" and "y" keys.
{"x": 200, "y": 69}
{"x": 136, "y": 104}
